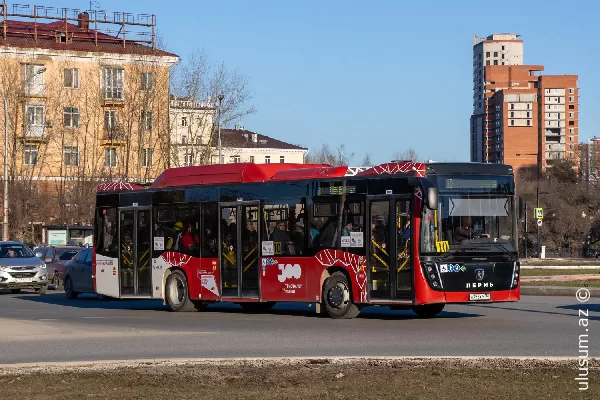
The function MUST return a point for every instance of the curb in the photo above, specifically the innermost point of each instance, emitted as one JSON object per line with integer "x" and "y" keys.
{"x": 557, "y": 291}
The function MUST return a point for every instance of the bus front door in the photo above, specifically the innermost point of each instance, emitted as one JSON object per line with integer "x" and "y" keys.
{"x": 134, "y": 252}
{"x": 238, "y": 250}
{"x": 389, "y": 261}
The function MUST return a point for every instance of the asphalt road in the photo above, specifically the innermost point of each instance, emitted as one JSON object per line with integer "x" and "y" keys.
{"x": 51, "y": 328}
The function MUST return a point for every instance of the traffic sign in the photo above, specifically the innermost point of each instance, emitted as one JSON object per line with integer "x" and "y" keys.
{"x": 539, "y": 213}
{"x": 539, "y": 222}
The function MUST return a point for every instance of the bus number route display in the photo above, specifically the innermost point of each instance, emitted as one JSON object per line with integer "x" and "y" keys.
{"x": 335, "y": 190}
{"x": 452, "y": 183}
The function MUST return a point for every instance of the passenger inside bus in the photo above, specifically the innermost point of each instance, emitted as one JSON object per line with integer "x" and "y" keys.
{"x": 282, "y": 236}
{"x": 174, "y": 241}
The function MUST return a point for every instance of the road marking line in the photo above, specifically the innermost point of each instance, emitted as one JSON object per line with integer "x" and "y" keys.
{"x": 47, "y": 319}
{"x": 93, "y": 317}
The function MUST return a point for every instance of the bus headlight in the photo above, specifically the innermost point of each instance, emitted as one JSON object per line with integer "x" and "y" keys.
{"x": 433, "y": 276}
{"x": 515, "y": 276}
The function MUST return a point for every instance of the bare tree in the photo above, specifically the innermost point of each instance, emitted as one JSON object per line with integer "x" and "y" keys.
{"x": 200, "y": 81}
{"x": 409, "y": 154}
{"x": 325, "y": 155}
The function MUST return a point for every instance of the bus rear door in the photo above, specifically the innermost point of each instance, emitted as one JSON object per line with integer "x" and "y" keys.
{"x": 390, "y": 261}
{"x": 239, "y": 249}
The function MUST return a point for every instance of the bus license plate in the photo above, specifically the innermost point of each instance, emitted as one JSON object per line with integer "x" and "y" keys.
{"x": 479, "y": 296}
{"x": 22, "y": 280}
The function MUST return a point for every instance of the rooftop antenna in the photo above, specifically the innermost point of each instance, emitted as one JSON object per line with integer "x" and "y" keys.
{"x": 94, "y": 4}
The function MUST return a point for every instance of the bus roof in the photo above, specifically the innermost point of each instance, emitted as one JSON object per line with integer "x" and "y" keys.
{"x": 251, "y": 172}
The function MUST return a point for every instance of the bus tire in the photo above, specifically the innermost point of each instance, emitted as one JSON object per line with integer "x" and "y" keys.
{"x": 428, "y": 310}
{"x": 338, "y": 298}
{"x": 257, "y": 307}
{"x": 177, "y": 293}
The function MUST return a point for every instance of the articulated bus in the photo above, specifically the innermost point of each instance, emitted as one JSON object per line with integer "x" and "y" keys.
{"x": 403, "y": 235}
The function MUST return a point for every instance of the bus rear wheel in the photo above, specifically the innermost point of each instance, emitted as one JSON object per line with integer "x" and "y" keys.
{"x": 177, "y": 293}
{"x": 337, "y": 297}
{"x": 428, "y": 310}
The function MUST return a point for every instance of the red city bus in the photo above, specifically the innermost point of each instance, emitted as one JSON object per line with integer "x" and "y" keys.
{"x": 403, "y": 235}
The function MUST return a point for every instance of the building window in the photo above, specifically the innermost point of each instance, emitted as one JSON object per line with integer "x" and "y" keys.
{"x": 147, "y": 158}
{"x": 487, "y": 62}
{"x": 184, "y": 139}
{"x": 146, "y": 79}
{"x": 71, "y": 156}
{"x": 512, "y": 106}
{"x": 237, "y": 159}
{"x": 527, "y": 114}
{"x": 110, "y": 157}
{"x": 110, "y": 119}
{"x": 571, "y": 115}
{"x": 281, "y": 159}
{"x": 571, "y": 106}
{"x": 572, "y": 123}
{"x": 189, "y": 159}
{"x": 502, "y": 48}
{"x": 71, "y": 117}
{"x": 114, "y": 84}
{"x": 487, "y": 53}
{"x": 267, "y": 159}
{"x": 512, "y": 114}
{"x": 34, "y": 79}
{"x": 72, "y": 78}
{"x": 495, "y": 54}
{"x": 571, "y": 130}
{"x": 571, "y": 90}
{"x": 571, "y": 146}
{"x": 512, "y": 122}
{"x": 30, "y": 155}
{"x": 251, "y": 158}
{"x": 571, "y": 98}
{"x": 571, "y": 138}
{"x": 184, "y": 121}
{"x": 35, "y": 120}
{"x": 147, "y": 120}
{"x": 495, "y": 62}
{"x": 528, "y": 122}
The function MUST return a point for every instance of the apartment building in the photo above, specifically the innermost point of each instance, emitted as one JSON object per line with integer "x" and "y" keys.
{"x": 87, "y": 97}
{"x": 192, "y": 124}
{"x": 241, "y": 145}
{"x": 496, "y": 49}
{"x": 525, "y": 119}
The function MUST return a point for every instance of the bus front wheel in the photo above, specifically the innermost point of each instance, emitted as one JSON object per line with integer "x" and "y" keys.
{"x": 177, "y": 293}
{"x": 337, "y": 297}
{"x": 428, "y": 310}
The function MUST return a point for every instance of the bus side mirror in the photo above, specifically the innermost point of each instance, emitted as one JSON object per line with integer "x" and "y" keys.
{"x": 521, "y": 206}
{"x": 432, "y": 198}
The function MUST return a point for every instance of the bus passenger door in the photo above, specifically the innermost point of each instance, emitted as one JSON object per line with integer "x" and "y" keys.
{"x": 134, "y": 252}
{"x": 389, "y": 259}
{"x": 238, "y": 250}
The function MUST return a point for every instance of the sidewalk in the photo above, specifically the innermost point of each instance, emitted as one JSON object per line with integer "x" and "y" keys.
{"x": 558, "y": 290}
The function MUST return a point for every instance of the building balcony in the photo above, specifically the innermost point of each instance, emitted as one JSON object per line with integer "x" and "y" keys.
{"x": 116, "y": 134}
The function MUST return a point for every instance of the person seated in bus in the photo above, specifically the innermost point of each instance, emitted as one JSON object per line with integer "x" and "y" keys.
{"x": 465, "y": 232}
{"x": 174, "y": 241}
{"x": 210, "y": 243}
{"x": 347, "y": 229}
{"x": 297, "y": 237}
{"x": 281, "y": 235}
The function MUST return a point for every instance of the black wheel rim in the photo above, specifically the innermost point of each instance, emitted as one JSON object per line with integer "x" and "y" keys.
{"x": 177, "y": 291}
{"x": 337, "y": 294}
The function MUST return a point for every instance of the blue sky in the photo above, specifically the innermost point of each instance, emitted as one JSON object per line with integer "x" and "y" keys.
{"x": 379, "y": 76}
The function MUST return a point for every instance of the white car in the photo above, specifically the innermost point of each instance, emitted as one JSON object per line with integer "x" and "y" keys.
{"x": 21, "y": 269}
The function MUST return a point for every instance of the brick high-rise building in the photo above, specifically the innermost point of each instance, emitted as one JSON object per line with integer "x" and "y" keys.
{"x": 520, "y": 117}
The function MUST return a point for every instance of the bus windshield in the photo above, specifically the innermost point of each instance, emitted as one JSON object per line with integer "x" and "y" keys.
{"x": 469, "y": 221}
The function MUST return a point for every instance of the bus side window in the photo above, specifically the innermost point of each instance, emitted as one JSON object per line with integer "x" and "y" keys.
{"x": 179, "y": 227}
{"x": 106, "y": 234}
{"x": 209, "y": 237}
{"x": 285, "y": 225}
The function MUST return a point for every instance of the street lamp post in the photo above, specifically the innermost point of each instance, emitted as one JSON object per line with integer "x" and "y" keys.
{"x": 5, "y": 202}
{"x": 220, "y": 97}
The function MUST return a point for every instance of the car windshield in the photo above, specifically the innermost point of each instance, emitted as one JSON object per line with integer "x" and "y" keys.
{"x": 15, "y": 250}
{"x": 66, "y": 254}
{"x": 469, "y": 221}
